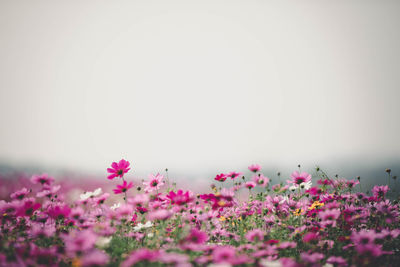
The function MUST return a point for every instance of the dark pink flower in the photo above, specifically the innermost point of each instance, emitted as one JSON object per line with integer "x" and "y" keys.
{"x": 196, "y": 236}
{"x": 123, "y": 188}
{"x": 20, "y": 194}
{"x": 179, "y": 197}
{"x": 380, "y": 191}
{"x": 141, "y": 255}
{"x": 118, "y": 169}
{"x": 220, "y": 177}
{"x": 250, "y": 184}
{"x": 42, "y": 179}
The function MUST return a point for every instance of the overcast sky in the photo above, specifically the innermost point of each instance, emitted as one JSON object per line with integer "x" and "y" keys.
{"x": 198, "y": 86}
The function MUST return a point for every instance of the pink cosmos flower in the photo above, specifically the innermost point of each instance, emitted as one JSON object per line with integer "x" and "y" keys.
{"x": 260, "y": 180}
{"x": 180, "y": 198}
{"x": 159, "y": 215}
{"x": 255, "y": 168}
{"x": 140, "y": 255}
{"x": 20, "y": 194}
{"x": 329, "y": 217}
{"x": 221, "y": 177}
{"x": 380, "y": 191}
{"x": 79, "y": 240}
{"x": 250, "y": 184}
{"x": 95, "y": 257}
{"x": 123, "y": 188}
{"x": 118, "y": 169}
{"x": 155, "y": 182}
{"x": 255, "y": 235}
{"x": 42, "y": 179}
{"x": 337, "y": 261}
{"x": 223, "y": 254}
{"x": 311, "y": 257}
{"x": 233, "y": 175}
{"x": 196, "y": 236}
{"x": 298, "y": 178}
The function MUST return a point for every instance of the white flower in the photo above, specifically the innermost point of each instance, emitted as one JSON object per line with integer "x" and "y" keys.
{"x": 292, "y": 188}
{"x": 306, "y": 186}
{"x": 89, "y": 194}
{"x": 150, "y": 235}
{"x": 103, "y": 241}
{"x": 141, "y": 226}
{"x": 115, "y": 206}
{"x": 268, "y": 263}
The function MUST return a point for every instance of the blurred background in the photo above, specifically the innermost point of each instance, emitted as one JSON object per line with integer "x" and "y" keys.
{"x": 200, "y": 87}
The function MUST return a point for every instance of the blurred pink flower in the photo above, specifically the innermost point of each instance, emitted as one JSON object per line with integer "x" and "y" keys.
{"x": 233, "y": 175}
{"x": 254, "y": 167}
{"x": 123, "y": 188}
{"x": 155, "y": 182}
{"x": 42, "y": 179}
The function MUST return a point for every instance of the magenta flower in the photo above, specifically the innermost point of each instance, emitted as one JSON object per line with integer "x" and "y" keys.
{"x": 118, "y": 169}
{"x": 160, "y": 214}
{"x": 233, "y": 175}
{"x": 380, "y": 191}
{"x": 298, "y": 178}
{"x": 221, "y": 177}
{"x": 179, "y": 197}
{"x": 43, "y": 179}
{"x": 141, "y": 255}
{"x": 155, "y": 182}
{"x": 196, "y": 236}
{"x": 311, "y": 257}
{"x": 337, "y": 261}
{"x": 123, "y": 188}
{"x": 223, "y": 254}
{"x": 255, "y": 235}
{"x": 255, "y": 168}
{"x": 20, "y": 194}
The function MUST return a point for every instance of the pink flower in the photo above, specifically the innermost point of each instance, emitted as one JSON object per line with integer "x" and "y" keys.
{"x": 260, "y": 180}
{"x": 79, "y": 240}
{"x": 255, "y": 235}
{"x": 140, "y": 255}
{"x": 255, "y": 168}
{"x": 311, "y": 257}
{"x": 179, "y": 197}
{"x": 159, "y": 215}
{"x": 42, "y": 179}
{"x": 155, "y": 182}
{"x": 336, "y": 261}
{"x": 329, "y": 217}
{"x": 298, "y": 178}
{"x": 20, "y": 194}
{"x": 250, "y": 184}
{"x": 196, "y": 236}
{"x": 233, "y": 175}
{"x": 118, "y": 169}
{"x": 223, "y": 254}
{"x": 123, "y": 188}
{"x": 380, "y": 191}
{"x": 221, "y": 177}
{"x": 95, "y": 257}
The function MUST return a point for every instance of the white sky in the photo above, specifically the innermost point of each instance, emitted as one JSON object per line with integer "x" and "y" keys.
{"x": 198, "y": 86}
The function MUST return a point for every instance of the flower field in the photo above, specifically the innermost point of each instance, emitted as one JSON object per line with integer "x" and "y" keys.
{"x": 243, "y": 220}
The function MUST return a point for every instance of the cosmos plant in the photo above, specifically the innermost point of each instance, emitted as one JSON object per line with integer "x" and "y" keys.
{"x": 245, "y": 219}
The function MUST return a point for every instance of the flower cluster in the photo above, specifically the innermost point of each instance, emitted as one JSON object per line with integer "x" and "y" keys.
{"x": 249, "y": 221}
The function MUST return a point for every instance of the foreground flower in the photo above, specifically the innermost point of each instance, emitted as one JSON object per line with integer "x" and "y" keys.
{"x": 123, "y": 188}
{"x": 155, "y": 182}
{"x": 118, "y": 169}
